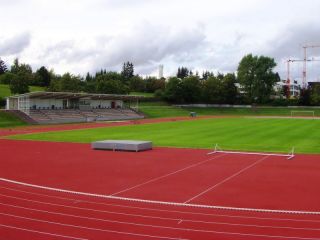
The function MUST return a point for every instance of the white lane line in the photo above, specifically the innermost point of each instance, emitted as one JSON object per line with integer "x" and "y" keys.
{"x": 160, "y": 210}
{"x": 159, "y": 237}
{"x": 39, "y": 232}
{"x": 89, "y": 228}
{"x": 226, "y": 179}
{"x": 177, "y": 204}
{"x": 162, "y": 218}
{"x": 166, "y": 175}
{"x": 85, "y": 209}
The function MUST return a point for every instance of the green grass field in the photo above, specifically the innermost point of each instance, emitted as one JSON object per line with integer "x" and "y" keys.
{"x": 262, "y": 111}
{"x": 162, "y": 109}
{"x": 273, "y": 135}
{"x": 9, "y": 120}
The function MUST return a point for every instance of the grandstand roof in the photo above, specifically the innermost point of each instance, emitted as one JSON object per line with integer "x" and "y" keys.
{"x": 70, "y": 95}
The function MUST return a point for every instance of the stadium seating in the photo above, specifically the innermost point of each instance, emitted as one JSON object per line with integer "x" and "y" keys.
{"x": 75, "y": 115}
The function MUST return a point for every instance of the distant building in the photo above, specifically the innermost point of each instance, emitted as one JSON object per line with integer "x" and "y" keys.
{"x": 295, "y": 87}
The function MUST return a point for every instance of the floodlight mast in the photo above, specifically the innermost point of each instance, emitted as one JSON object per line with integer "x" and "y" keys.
{"x": 304, "y": 72}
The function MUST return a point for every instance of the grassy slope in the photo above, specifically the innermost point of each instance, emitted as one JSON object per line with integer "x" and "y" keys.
{"x": 5, "y": 90}
{"x": 161, "y": 109}
{"x": 142, "y": 94}
{"x": 277, "y": 135}
{"x": 9, "y": 120}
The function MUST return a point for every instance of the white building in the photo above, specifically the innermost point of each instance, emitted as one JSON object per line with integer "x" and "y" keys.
{"x": 295, "y": 87}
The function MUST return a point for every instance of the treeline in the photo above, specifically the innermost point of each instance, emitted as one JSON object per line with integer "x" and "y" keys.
{"x": 20, "y": 77}
{"x": 253, "y": 83}
{"x": 195, "y": 89}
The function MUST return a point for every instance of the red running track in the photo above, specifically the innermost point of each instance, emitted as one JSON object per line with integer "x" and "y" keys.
{"x": 163, "y": 174}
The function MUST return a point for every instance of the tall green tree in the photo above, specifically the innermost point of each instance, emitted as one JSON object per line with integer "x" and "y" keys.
{"x": 229, "y": 90}
{"x": 19, "y": 85}
{"x": 22, "y": 69}
{"x": 42, "y": 77}
{"x": 191, "y": 89}
{"x": 173, "y": 90}
{"x": 183, "y": 72}
{"x": 3, "y": 67}
{"x": 255, "y": 74}
{"x": 212, "y": 90}
{"x": 127, "y": 71}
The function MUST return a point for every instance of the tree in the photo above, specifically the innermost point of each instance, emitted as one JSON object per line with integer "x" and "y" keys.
{"x": 127, "y": 71}
{"x": 315, "y": 95}
{"x": 137, "y": 84}
{"x": 67, "y": 82}
{"x": 305, "y": 96}
{"x": 89, "y": 78}
{"x": 255, "y": 74}
{"x": 3, "y": 67}
{"x": 19, "y": 85}
{"x": 70, "y": 83}
{"x": 191, "y": 89}
{"x": 206, "y": 74}
{"x": 153, "y": 84}
{"x": 6, "y": 77}
{"x": 22, "y": 69}
{"x": 212, "y": 90}
{"x": 42, "y": 77}
{"x": 183, "y": 72}
{"x": 173, "y": 90}
{"x": 229, "y": 91}
{"x": 110, "y": 82}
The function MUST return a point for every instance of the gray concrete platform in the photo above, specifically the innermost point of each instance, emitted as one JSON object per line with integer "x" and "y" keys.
{"x": 122, "y": 145}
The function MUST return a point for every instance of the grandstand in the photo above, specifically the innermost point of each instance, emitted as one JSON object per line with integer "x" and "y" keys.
{"x": 65, "y": 107}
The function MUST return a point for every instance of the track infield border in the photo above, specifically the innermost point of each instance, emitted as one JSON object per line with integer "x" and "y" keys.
{"x": 177, "y": 204}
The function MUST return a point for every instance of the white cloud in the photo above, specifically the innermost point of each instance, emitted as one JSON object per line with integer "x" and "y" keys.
{"x": 15, "y": 44}
{"x": 85, "y": 35}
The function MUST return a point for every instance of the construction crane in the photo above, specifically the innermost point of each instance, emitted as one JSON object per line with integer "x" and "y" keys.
{"x": 305, "y": 60}
{"x": 288, "y": 71}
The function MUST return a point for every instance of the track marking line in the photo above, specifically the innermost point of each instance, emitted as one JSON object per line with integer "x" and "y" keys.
{"x": 160, "y": 202}
{"x": 89, "y": 228}
{"x": 161, "y": 218}
{"x": 44, "y": 233}
{"x": 226, "y": 179}
{"x": 166, "y": 175}
{"x": 159, "y": 237}
{"x": 88, "y": 209}
{"x": 161, "y": 210}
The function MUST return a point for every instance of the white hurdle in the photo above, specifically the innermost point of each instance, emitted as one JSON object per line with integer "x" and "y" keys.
{"x": 289, "y": 156}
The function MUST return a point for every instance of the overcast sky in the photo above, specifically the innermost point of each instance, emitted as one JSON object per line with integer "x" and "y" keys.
{"x": 86, "y": 35}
